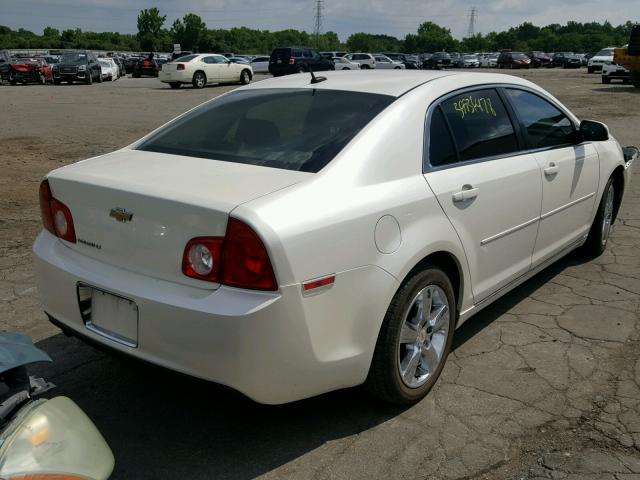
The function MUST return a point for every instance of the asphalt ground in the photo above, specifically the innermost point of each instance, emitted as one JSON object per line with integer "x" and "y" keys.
{"x": 545, "y": 383}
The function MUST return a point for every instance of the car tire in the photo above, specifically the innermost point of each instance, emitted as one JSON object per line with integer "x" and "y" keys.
{"x": 56, "y": 82}
{"x": 590, "y": 70}
{"x": 100, "y": 79}
{"x": 603, "y": 222}
{"x": 199, "y": 80}
{"x": 345, "y": 68}
{"x": 396, "y": 68}
{"x": 89, "y": 79}
{"x": 175, "y": 85}
{"x": 364, "y": 66}
{"x": 606, "y": 80}
{"x": 245, "y": 77}
{"x": 400, "y": 371}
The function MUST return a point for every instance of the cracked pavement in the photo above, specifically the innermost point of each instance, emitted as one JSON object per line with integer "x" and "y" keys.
{"x": 543, "y": 384}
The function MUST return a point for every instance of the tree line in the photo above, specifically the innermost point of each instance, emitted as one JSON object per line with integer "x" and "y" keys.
{"x": 191, "y": 33}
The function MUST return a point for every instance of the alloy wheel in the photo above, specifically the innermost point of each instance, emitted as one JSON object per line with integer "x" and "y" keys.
{"x": 423, "y": 336}
{"x": 607, "y": 218}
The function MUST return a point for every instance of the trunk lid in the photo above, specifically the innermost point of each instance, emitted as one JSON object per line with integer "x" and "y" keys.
{"x": 137, "y": 210}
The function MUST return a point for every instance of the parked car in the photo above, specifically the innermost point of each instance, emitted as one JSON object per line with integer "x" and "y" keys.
{"x": 385, "y": 63}
{"x": 30, "y": 70}
{"x": 437, "y": 61}
{"x": 539, "y": 59}
{"x": 612, "y": 71}
{"x": 469, "y": 61}
{"x": 147, "y": 67}
{"x": 513, "y": 60}
{"x": 109, "y": 69}
{"x": 205, "y": 68}
{"x": 240, "y": 222}
{"x": 241, "y": 60}
{"x": 366, "y": 60}
{"x": 5, "y": 61}
{"x": 260, "y": 65}
{"x": 489, "y": 61}
{"x": 287, "y": 60}
{"x": 410, "y": 62}
{"x": 333, "y": 54}
{"x": 342, "y": 63}
{"x": 129, "y": 63}
{"x": 603, "y": 57}
{"x": 82, "y": 66}
{"x": 566, "y": 60}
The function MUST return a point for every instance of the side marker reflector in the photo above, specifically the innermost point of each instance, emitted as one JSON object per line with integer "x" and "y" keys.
{"x": 322, "y": 282}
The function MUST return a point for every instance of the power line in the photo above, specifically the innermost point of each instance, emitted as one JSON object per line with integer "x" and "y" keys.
{"x": 317, "y": 21}
{"x": 471, "y": 32}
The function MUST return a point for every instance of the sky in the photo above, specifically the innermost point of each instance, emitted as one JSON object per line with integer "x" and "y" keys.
{"x": 391, "y": 17}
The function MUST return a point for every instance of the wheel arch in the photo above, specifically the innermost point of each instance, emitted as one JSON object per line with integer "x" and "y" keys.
{"x": 618, "y": 185}
{"x": 247, "y": 70}
{"x": 450, "y": 265}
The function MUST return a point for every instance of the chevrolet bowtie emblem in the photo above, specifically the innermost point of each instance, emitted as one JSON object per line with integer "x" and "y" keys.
{"x": 121, "y": 215}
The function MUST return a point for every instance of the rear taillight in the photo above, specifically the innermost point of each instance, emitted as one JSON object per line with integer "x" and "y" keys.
{"x": 240, "y": 259}
{"x": 56, "y": 216}
{"x": 180, "y": 66}
{"x": 292, "y": 61}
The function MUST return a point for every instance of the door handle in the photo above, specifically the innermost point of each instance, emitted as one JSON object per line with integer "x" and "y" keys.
{"x": 467, "y": 193}
{"x": 551, "y": 170}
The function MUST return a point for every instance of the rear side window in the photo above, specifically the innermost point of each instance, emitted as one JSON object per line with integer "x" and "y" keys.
{"x": 307, "y": 54}
{"x": 186, "y": 58}
{"x": 441, "y": 149}
{"x": 293, "y": 129}
{"x": 545, "y": 125}
{"x": 480, "y": 125}
{"x": 280, "y": 53}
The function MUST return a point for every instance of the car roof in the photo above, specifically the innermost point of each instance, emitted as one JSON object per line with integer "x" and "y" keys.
{"x": 383, "y": 82}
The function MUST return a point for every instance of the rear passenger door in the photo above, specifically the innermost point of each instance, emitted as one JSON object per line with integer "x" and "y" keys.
{"x": 489, "y": 190}
{"x": 213, "y": 68}
{"x": 570, "y": 172}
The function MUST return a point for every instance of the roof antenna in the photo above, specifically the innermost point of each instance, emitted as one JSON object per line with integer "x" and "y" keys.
{"x": 315, "y": 79}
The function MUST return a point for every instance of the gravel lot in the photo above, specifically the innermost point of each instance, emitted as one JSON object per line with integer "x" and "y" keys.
{"x": 543, "y": 384}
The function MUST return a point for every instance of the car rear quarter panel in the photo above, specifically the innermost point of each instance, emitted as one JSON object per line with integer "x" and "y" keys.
{"x": 326, "y": 225}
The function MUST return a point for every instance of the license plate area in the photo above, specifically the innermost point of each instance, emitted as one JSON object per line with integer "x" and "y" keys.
{"x": 109, "y": 315}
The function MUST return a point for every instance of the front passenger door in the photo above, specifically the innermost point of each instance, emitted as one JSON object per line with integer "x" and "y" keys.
{"x": 570, "y": 172}
{"x": 212, "y": 69}
{"x": 489, "y": 190}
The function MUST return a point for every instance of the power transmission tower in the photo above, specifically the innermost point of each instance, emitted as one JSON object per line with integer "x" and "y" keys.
{"x": 317, "y": 21}
{"x": 472, "y": 22}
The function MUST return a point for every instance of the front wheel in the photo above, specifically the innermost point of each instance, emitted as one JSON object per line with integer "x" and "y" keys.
{"x": 199, "y": 80}
{"x": 415, "y": 338}
{"x": 245, "y": 77}
{"x": 601, "y": 227}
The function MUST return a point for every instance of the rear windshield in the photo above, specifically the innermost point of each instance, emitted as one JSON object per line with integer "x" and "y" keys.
{"x": 605, "y": 52}
{"x": 293, "y": 129}
{"x": 186, "y": 58}
{"x": 281, "y": 53}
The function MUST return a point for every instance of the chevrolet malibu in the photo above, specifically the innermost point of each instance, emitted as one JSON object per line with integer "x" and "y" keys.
{"x": 305, "y": 234}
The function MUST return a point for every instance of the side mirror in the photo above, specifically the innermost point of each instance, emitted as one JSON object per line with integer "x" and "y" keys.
{"x": 591, "y": 131}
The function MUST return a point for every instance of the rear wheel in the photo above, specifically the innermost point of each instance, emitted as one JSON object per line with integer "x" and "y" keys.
{"x": 364, "y": 66}
{"x": 175, "y": 84}
{"x": 601, "y": 227}
{"x": 199, "y": 80}
{"x": 415, "y": 338}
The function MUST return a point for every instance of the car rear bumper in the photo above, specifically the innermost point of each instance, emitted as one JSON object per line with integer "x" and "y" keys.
{"x": 175, "y": 76}
{"x": 275, "y": 347}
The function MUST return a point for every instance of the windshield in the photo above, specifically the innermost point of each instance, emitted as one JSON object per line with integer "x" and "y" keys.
{"x": 294, "y": 129}
{"x": 74, "y": 58}
{"x": 605, "y": 52}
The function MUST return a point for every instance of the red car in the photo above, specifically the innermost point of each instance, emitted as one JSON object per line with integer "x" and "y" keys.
{"x": 147, "y": 67}
{"x": 30, "y": 70}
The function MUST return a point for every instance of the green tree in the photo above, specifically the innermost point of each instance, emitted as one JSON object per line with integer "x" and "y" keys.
{"x": 433, "y": 38}
{"x": 150, "y": 24}
{"x": 190, "y": 32}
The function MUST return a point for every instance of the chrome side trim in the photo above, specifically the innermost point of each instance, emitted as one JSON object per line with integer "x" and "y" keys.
{"x": 568, "y": 205}
{"x": 469, "y": 312}
{"x": 509, "y": 231}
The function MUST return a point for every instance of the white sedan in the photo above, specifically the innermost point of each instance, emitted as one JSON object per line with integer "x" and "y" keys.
{"x": 301, "y": 235}
{"x": 385, "y": 63}
{"x": 342, "y": 63}
{"x": 110, "y": 70}
{"x": 260, "y": 65}
{"x": 202, "y": 69}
